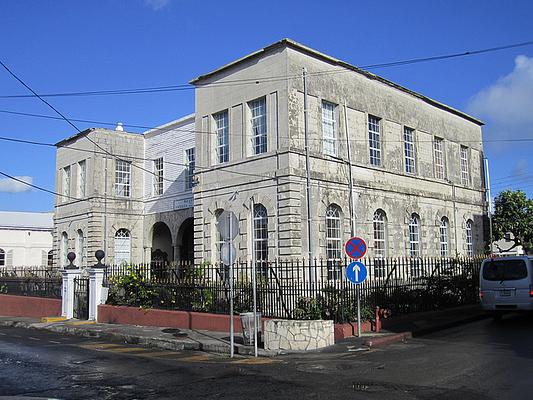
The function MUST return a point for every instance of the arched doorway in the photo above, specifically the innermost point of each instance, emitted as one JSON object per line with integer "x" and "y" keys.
{"x": 185, "y": 241}
{"x": 161, "y": 243}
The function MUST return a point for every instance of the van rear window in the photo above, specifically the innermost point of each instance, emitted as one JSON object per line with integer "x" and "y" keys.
{"x": 504, "y": 270}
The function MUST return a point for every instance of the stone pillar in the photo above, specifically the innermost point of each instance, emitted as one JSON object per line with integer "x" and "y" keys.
{"x": 177, "y": 255}
{"x": 96, "y": 278}
{"x": 69, "y": 274}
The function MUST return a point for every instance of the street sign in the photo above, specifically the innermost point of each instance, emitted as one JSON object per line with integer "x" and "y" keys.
{"x": 228, "y": 253}
{"x": 356, "y": 272}
{"x": 228, "y": 225}
{"x": 355, "y": 248}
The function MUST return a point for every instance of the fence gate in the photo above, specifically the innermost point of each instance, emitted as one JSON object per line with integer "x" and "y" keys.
{"x": 81, "y": 298}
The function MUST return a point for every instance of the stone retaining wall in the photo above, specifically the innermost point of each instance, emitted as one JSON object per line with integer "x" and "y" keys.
{"x": 281, "y": 334}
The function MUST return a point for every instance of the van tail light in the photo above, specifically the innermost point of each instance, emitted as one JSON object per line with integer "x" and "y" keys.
{"x": 481, "y": 293}
{"x": 530, "y": 290}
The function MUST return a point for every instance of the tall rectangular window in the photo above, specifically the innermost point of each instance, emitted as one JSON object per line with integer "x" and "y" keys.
{"x": 158, "y": 176}
{"x": 409, "y": 150}
{"x": 438, "y": 152}
{"x": 190, "y": 155}
{"x": 374, "y": 140}
{"x": 222, "y": 134}
{"x": 123, "y": 178}
{"x": 82, "y": 178}
{"x": 66, "y": 184}
{"x": 333, "y": 242}
{"x": 329, "y": 131}
{"x": 259, "y": 125}
{"x": 465, "y": 167}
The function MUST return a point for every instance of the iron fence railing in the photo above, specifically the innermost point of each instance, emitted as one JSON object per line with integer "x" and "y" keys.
{"x": 31, "y": 281}
{"x": 287, "y": 289}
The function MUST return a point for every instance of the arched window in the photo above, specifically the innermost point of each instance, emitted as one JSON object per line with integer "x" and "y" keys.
{"x": 380, "y": 234}
{"x": 2, "y": 258}
{"x": 260, "y": 232}
{"x": 444, "y": 247}
{"x": 260, "y": 237}
{"x": 122, "y": 246}
{"x": 80, "y": 248}
{"x": 380, "y": 243}
{"x": 50, "y": 260}
{"x": 63, "y": 250}
{"x": 469, "y": 238}
{"x": 414, "y": 236}
{"x": 333, "y": 241}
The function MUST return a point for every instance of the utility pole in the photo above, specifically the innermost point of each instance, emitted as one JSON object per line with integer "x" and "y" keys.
{"x": 105, "y": 206}
{"x": 489, "y": 203}
{"x": 351, "y": 199}
{"x": 308, "y": 172}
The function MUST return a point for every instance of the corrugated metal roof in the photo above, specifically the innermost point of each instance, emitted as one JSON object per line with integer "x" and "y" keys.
{"x": 26, "y": 220}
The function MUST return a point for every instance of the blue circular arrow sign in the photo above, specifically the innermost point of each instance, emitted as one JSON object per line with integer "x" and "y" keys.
{"x": 355, "y": 248}
{"x": 356, "y": 272}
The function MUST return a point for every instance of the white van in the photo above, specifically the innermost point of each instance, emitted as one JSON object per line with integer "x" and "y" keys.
{"x": 506, "y": 284}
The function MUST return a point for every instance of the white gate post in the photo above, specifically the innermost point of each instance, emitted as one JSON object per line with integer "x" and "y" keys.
{"x": 96, "y": 278}
{"x": 70, "y": 272}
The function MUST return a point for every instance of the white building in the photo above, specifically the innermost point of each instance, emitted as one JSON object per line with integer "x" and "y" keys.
{"x": 25, "y": 238}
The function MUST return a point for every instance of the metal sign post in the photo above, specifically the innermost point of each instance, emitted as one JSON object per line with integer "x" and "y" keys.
{"x": 229, "y": 229}
{"x": 356, "y": 271}
{"x": 254, "y": 282}
{"x": 231, "y": 322}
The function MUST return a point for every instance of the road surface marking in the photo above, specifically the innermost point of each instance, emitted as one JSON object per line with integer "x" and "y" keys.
{"x": 54, "y": 341}
{"x": 33, "y": 338}
{"x": 197, "y": 358}
{"x": 126, "y": 349}
{"x": 255, "y": 361}
{"x": 99, "y": 346}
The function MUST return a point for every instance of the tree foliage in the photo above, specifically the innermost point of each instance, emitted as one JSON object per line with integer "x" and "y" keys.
{"x": 513, "y": 212}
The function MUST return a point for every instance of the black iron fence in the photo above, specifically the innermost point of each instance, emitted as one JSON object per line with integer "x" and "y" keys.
{"x": 298, "y": 289}
{"x": 31, "y": 281}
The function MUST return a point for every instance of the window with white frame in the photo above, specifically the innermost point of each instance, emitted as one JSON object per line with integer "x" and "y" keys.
{"x": 122, "y": 246}
{"x": 66, "y": 183}
{"x": 80, "y": 248}
{"x": 465, "y": 167}
{"x": 329, "y": 129}
{"x": 438, "y": 153}
{"x": 444, "y": 241}
{"x": 259, "y": 125}
{"x": 260, "y": 237}
{"x": 414, "y": 236}
{"x": 123, "y": 178}
{"x": 2, "y": 258}
{"x": 63, "y": 250}
{"x": 190, "y": 155}
{"x": 409, "y": 150}
{"x": 469, "y": 238}
{"x": 222, "y": 135}
{"x": 82, "y": 178}
{"x": 158, "y": 176}
{"x": 333, "y": 242}
{"x": 380, "y": 243}
{"x": 374, "y": 140}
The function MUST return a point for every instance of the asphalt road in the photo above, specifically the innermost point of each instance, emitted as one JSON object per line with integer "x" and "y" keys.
{"x": 482, "y": 360}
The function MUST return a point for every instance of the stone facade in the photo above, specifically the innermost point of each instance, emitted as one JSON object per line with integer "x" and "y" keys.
{"x": 276, "y": 178}
{"x": 292, "y": 335}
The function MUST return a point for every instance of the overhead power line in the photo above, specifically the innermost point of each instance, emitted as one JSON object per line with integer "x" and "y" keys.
{"x": 258, "y": 80}
{"x": 35, "y": 186}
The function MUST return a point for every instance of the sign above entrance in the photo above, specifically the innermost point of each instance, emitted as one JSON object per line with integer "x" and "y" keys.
{"x": 183, "y": 203}
{"x": 355, "y": 248}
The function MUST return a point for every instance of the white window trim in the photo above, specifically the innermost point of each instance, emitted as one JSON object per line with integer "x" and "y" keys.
{"x": 439, "y": 158}
{"x": 123, "y": 179}
{"x": 158, "y": 176}
{"x": 222, "y": 136}
{"x": 409, "y": 150}
{"x": 262, "y": 137}
{"x": 329, "y": 128}
{"x": 374, "y": 141}
{"x": 465, "y": 166}
{"x": 190, "y": 166}
{"x": 82, "y": 178}
{"x": 444, "y": 234}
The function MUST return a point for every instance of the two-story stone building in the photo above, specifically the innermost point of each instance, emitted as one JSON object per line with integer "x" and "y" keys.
{"x": 384, "y": 163}
{"x": 126, "y": 193}
{"x": 303, "y": 166}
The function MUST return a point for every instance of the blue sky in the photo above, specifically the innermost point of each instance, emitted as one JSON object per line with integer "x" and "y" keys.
{"x": 69, "y": 46}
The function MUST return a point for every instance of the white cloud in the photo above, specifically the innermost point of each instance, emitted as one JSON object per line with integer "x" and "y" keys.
{"x": 507, "y": 104}
{"x": 11, "y": 186}
{"x": 156, "y": 4}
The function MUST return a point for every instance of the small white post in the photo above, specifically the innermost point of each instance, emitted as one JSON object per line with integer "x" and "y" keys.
{"x": 70, "y": 272}
{"x": 96, "y": 278}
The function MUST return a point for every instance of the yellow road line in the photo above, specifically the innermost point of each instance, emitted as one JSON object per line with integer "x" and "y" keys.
{"x": 53, "y": 319}
{"x": 197, "y": 358}
{"x": 126, "y": 349}
{"x": 80, "y": 323}
{"x": 101, "y": 346}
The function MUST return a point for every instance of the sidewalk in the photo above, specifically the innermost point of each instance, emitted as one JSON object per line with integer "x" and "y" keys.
{"x": 398, "y": 330}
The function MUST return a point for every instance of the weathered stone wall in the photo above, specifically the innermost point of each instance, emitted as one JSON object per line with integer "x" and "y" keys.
{"x": 294, "y": 335}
